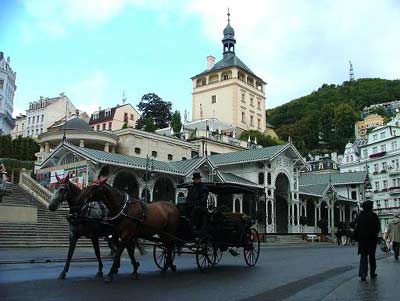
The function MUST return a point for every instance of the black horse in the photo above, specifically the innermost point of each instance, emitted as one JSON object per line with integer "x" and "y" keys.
{"x": 81, "y": 224}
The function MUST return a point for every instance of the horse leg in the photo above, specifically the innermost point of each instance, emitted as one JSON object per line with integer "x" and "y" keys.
{"x": 73, "y": 238}
{"x": 116, "y": 263}
{"x": 170, "y": 260}
{"x": 95, "y": 242}
{"x": 131, "y": 251}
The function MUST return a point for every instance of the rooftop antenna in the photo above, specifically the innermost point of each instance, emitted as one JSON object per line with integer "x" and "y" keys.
{"x": 229, "y": 14}
{"x": 65, "y": 123}
{"x": 351, "y": 73}
{"x": 123, "y": 97}
{"x": 185, "y": 118}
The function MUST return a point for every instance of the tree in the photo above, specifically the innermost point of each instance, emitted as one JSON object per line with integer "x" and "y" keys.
{"x": 149, "y": 125}
{"x": 21, "y": 148}
{"x": 262, "y": 139}
{"x": 176, "y": 122}
{"x": 345, "y": 118}
{"x": 151, "y": 105}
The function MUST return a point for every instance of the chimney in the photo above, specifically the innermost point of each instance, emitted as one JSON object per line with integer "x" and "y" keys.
{"x": 210, "y": 62}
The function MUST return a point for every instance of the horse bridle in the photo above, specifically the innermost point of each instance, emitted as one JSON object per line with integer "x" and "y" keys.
{"x": 122, "y": 211}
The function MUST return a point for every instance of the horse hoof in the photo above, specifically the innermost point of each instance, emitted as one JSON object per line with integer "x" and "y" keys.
{"x": 62, "y": 275}
{"x": 173, "y": 268}
{"x": 108, "y": 279}
{"x": 99, "y": 275}
{"x": 134, "y": 275}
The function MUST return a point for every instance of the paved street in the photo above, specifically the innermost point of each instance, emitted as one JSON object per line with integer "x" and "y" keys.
{"x": 296, "y": 273}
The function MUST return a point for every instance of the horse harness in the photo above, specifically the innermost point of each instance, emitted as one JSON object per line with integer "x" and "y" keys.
{"x": 125, "y": 206}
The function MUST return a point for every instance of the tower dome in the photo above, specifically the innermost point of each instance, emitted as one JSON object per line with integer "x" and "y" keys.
{"x": 229, "y": 41}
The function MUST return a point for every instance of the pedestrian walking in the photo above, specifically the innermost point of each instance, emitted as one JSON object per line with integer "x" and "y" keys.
{"x": 366, "y": 233}
{"x": 394, "y": 234}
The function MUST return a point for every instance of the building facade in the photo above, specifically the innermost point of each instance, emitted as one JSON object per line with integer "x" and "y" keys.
{"x": 229, "y": 90}
{"x": 115, "y": 118}
{"x": 45, "y": 112}
{"x": 362, "y": 127}
{"x": 19, "y": 126}
{"x": 7, "y": 91}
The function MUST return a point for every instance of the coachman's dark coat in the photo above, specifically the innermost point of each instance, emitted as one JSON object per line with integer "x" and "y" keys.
{"x": 366, "y": 232}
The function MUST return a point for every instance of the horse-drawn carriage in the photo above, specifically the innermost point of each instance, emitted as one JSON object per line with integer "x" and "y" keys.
{"x": 224, "y": 232}
{"x": 167, "y": 231}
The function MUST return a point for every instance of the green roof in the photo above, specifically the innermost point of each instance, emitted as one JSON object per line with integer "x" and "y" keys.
{"x": 333, "y": 178}
{"x": 231, "y": 178}
{"x": 251, "y": 155}
{"x": 315, "y": 190}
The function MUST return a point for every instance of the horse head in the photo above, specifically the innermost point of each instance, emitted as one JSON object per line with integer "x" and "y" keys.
{"x": 95, "y": 191}
{"x": 65, "y": 191}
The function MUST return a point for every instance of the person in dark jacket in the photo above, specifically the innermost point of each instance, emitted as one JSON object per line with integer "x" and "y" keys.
{"x": 197, "y": 203}
{"x": 366, "y": 233}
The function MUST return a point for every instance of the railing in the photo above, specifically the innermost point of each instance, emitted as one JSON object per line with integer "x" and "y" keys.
{"x": 35, "y": 189}
{"x": 394, "y": 190}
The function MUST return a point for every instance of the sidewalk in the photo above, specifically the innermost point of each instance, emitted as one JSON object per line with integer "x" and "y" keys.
{"x": 385, "y": 287}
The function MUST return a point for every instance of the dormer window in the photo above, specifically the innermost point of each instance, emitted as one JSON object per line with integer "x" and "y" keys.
{"x": 108, "y": 112}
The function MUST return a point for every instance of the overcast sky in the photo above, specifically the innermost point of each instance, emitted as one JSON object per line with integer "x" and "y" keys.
{"x": 94, "y": 49}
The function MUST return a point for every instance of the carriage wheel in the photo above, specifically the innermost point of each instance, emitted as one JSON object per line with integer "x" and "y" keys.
{"x": 251, "y": 250}
{"x": 160, "y": 256}
{"x": 205, "y": 256}
{"x": 344, "y": 239}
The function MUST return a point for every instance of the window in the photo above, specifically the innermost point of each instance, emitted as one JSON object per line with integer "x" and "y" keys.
{"x": 258, "y": 105}
{"x": 385, "y": 184}
{"x": 137, "y": 150}
{"x": 383, "y": 148}
{"x": 109, "y": 126}
{"x": 131, "y": 116}
{"x": 383, "y": 135}
{"x": 377, "y": 186}
{"x": 243, "y": 117}
{"x": 384, "y": 165}
{"x": 243, "y": 97}
{"x": 154, "y": 154}
{"x": 374, "y": 149}
{"x": 213, "y": 98}
{"x": 125, "y": 117}
{"x": 376, "y": 167}
{"x": 1, "y": 84}
{"x": 108, "y": 113}
{"x": 104, "y": 126}
{"x": 27, "y": 132}
{"x": 394, "y": 145}
{"x": 365, "y": 153}
{"x": 261, "y": 178}
{"x": 184, "y": 158}
{"x": 42, "y": 118}
{"x": 269, "y": 178}
{"x": 251, "y": 101}
{"x": 386, "y": 203}
{"x": 394, "y": 183}
{"x": 29, "y": 120}
{"x": 251, "y": 120}
{"x": 33, "y": 119}
{"x": 378, "y": 204}
{"x": 225, "y": 76}
{"x": 354, "y": 195}
{"x": 170, "y": 157}
{"x": 41, "y": 130}
{"x": 375, "y": 137}
{"x": 259, "y": 123}
{"x": 98, "y": 127}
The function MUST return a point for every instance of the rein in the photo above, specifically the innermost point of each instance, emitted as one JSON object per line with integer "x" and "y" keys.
{"x": 123, "y": 212}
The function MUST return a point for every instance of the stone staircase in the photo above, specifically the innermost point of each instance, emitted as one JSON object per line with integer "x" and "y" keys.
{"x": 51, "y": 229}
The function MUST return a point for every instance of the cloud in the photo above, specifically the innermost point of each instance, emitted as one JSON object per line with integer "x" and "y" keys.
{"x": 296, "y": 46}
{"x": 89, "y": 93}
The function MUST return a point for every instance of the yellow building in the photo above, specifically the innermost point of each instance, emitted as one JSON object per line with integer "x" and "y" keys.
{"x": 229, "y": 90}
{"x": 369, "y": 122}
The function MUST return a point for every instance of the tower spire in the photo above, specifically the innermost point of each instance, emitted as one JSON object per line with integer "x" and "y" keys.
{"x": 229, "y": 41}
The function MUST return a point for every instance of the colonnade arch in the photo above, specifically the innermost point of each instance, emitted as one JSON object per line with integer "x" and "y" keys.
{"x": 282, "y": 194}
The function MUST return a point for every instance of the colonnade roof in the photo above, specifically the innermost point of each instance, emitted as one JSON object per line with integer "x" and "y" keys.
{"x": 344, "y": 178}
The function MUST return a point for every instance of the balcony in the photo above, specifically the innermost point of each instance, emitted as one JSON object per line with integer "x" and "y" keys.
{"x": 394, "y": 190}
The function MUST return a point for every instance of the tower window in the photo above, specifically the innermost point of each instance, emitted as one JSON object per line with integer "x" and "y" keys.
{"x": 251, "y": 101}
{"x": 214, "y": 99}
{"x": 243, "y": 97}
{"x": 137, "y": 150}
{"x": 243, "y": 117}
{"x": 170, "y": 157}
{"x": 154, "y": 154}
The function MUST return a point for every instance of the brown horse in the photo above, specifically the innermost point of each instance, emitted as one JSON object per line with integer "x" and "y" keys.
{"x": 134, "y": 219}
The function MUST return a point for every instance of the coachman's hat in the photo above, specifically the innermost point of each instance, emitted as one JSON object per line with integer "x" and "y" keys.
{"x": 196, "y": 175}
